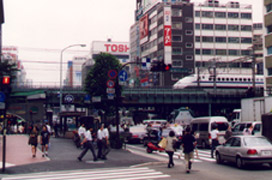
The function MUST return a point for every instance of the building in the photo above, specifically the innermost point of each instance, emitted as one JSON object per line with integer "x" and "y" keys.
{"x": 119, "y": 49}
{"x": 164, "y": 32}
{"x": 223, "y": 35}
{"x": 258, "y": 47}
{"x": 268, "y": 46}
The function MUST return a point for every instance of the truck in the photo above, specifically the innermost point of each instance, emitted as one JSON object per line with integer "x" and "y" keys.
{"x": 182, "y": 116}
{"x": 252, "y": 109}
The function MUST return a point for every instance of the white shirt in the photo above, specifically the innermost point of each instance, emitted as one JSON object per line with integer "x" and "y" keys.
{"x": 102, "y": 134}
{"x": 106, "y": 132}
{"x": 214, "y": 133}
{"x": 81, "y": 131}
{"x": 48, "y": 128}
{"x": 88, "y": 135}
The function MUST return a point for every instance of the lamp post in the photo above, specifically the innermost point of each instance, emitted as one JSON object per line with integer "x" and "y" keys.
{"x": 61, "y": 57}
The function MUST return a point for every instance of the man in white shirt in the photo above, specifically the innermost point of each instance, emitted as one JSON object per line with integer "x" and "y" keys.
{"x": 88, "y": 145}
{"x": 81, "y": 132}
{"x": 214, "y": 137}
{"x": 103, "y": 142}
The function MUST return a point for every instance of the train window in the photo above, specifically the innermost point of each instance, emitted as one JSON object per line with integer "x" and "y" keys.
{"x": 231, "y": 79}
{"x": 203, "y": 77}
{"x": 248, "y": 79}
{"x": 235, "y": 79}
{"x": 227, "y": 79}
{"x": 210, "y": 79}
{"x": 244, "y": 79}
{"x": 219, "y": 79}
{"x": 223, "y": 79}
{"x": 240, "y": 79}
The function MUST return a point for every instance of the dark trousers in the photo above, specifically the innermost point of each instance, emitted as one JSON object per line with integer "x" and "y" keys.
{"x": 103, "y": 148}
{"x": 88, "y": 146}
{"x": 100, "y": 148}
{"x": 170, "y": 155}
{"x": 215, "y": 143}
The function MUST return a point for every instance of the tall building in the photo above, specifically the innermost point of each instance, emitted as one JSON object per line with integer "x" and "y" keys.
{"x": 164, "y": 32}
{"x": 268, "y": 46}
{"x": 223, "y": 34}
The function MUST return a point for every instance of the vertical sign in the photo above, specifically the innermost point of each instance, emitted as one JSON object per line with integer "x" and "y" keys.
{"x": 167, "y": 35}
{"x": 143, "y": 29}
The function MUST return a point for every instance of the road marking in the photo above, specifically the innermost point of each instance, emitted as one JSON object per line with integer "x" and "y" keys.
{"x": 97, "y": 174}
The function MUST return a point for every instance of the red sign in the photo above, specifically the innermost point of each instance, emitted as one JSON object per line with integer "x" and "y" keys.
{"x": 112, "y": 74}
{"x": 110, "y": 84}
{"x": 144, "y": 27}
{"x": 167, "y": 36}
{"x": 116, "y": 48}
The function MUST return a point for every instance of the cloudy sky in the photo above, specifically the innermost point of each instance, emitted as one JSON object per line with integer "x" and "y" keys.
{"x": 41, "y": 28}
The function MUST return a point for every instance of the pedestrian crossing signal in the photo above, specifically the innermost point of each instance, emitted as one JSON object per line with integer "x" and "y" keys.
{"x": 6, "y": 80}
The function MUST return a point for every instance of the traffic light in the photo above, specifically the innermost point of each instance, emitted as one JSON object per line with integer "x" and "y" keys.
{"x": 6, "y": 80}
{"x": 160, "y": 67}
{"x": 168, "y": 67}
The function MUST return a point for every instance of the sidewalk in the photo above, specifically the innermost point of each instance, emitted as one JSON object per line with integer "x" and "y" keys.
{"x": 62, "y": 156}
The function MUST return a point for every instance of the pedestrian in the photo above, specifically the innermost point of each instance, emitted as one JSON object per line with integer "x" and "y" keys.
{"x": 81, "y": 132}
{"x": 102, "y": 142}
{"x": 214, "y": 137}
{"x": 45, "y": 136}
{"x": 228, "y": 133}
{"x": 188, "y": 143}
{"x": 33, "y": 140}
{"x": 149, "y": 129}
{"x": 248, "y": 131}
{"x": 56, "y": 129}
{"x": 170, "y": 147}
{"x": 88, "y": 145}
{"x": 196, "y": 135}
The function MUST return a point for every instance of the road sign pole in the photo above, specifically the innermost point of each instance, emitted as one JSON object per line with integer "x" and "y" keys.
{"x": 4, "y": 143}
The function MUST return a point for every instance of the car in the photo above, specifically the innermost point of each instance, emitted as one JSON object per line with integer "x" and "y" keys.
{"x": 178, "y": 132}
{"x": 244, "y": 150}
{"x": 238, "y": 129}
{"x": 138, "y": 133}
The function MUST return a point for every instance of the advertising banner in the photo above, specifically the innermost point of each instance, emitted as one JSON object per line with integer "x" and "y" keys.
{"x": 115, "y": 48}
{"x": 144, "y": 27}
{"x": 167, "y": 35}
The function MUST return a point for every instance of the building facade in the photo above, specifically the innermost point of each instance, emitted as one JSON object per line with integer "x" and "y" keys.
{"x": 268, "y": 46}
{"x": 164, "y": 32}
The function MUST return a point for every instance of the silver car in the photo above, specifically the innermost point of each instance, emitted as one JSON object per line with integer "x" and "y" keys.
{"x": 244, "y": 150}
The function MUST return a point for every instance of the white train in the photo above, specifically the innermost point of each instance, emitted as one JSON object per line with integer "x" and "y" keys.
{"x": 232, "y": 81}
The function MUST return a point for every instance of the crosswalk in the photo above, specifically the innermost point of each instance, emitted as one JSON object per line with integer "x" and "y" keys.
{"x": 97, "y": 174}
{"x": 203, "y": 154}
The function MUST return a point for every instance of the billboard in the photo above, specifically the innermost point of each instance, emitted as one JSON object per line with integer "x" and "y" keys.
{"x": 167, "y": 35}
{"x": 144, "y": 27}
{"x": 115, "y": 48}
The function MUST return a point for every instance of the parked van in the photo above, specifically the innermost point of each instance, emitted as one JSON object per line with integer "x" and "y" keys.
{"x": 239, "y": 128}
{"x": 155, "y": 122}
{"x": 202, "y": 126}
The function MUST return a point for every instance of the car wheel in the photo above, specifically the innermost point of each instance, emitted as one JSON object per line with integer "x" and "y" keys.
{"x": 148, "y": 150}
{"x": 218, "y": 158}
{"x": 203, "y": 145}
{"x": 239, "y": 162}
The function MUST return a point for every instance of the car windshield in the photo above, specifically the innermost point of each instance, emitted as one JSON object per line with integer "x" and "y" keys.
{"x": 256, "y": 141}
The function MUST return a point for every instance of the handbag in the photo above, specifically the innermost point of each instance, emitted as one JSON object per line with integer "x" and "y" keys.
{"x": 163, "y": 143}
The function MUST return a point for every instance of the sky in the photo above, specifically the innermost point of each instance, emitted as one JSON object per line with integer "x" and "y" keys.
{"x": 42, "y": 28}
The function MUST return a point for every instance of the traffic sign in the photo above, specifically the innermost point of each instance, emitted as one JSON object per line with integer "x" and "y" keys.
{"x": 110, "y": 96}
{"x": 110, "y": 90}
{"x": 69, "y": 98}
{"x": 123, "y": 75}
{"x": 112, "y": 74}
{"x": 2, "y": 97}
{"x": 110, "y": 84}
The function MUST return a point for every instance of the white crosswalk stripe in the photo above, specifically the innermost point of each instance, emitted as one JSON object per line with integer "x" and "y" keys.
{"x": 97, "y": 174}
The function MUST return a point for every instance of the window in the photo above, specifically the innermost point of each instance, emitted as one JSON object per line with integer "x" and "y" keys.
{"x": 176, "y": 12}
{"x": 177, "y": 63}
{"x": 269, "y": 50}
{"x": 177, "y": 25}
{"x": 197, "y": 38}
{"x": 207, "y": 51}
{"x": 189, "y": 32}
{"x": 234, "y": 40}
{"x": 189, "y": 57}
{"x": 236, "y": 142}
{"x": 220, "y": 39}
{"x": 233, "y": 27}
{"x": 189, "y": 45}
{"x": 197, "y": 51}
{"x": 269, "y": 29}
{"x": 246, "y": 15}
{"x": 176, "y": 51}
{"x": 246, "y": 28}
{"x": 197, "y": 26}
{"x": 197, "y": 14}
{"x": 188, "y": 20}
{"x": 177, "y": 38}
{"x": 207, "y": 39}
{"x": 245, "y": 52}
{"x": 233, "y": 15}
{"x": 153, "y": 19}
{"x": 208, "y": 14}
{"x": 246, "y": 40}
{"x": 269, "y": 71}
{"x": 203, "y": 127}
{"x": 207, "y": 26}
{"x": 233, "y": 52}
{"x": 220, "y": 14}
{"x": 269, "y": 8}
{"x": 221, "y": 52}
{"x": 220, "y": 27}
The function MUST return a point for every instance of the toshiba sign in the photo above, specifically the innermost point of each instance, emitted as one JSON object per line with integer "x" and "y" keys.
{"x": 120, "y": 48}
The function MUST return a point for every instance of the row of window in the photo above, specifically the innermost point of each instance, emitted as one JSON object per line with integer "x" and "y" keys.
{"x": 269, "y": 50}
{"x": 222, "y": 52}
{"x": 212, "y": 39}
{"x": 234, "y": 15}
{"x": 236, "y": 79}
{"x": 223, "y": 27}
{"x": 269, "y": 8}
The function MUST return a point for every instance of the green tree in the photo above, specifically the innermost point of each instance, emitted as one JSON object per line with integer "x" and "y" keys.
{"x": 96, "y": 80}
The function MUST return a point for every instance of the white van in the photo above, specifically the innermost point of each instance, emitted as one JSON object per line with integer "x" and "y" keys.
{"x": 202, "y": 126}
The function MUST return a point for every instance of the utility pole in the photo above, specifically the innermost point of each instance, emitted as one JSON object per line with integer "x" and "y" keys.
{"x": 253, "y": 70}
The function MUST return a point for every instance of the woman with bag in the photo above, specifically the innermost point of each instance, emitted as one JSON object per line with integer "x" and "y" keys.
{"x": 33, "y": 140}
{"x": 170, "y": 147}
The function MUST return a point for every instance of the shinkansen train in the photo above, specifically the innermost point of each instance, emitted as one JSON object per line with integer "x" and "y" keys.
{"x": 232, "y": 81}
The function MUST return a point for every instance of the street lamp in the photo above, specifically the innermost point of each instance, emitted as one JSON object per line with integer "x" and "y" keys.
{"x": 61, "y": 56}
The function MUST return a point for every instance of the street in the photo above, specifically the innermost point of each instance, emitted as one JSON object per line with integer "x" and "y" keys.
{"x": 132, "y": 163}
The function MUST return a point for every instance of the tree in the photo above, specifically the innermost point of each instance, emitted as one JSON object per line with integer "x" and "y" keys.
{"x": 96, "y": 80}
